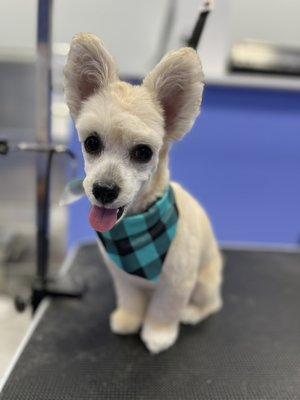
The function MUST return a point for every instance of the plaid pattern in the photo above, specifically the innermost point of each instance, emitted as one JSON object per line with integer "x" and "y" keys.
{"x": 139, "y": 244}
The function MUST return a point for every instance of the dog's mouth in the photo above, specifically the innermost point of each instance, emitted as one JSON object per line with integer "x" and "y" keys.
{"x": 104, "y": 219}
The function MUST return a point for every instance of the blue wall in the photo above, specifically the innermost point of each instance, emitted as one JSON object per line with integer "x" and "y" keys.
{"x": 242, "y": 161}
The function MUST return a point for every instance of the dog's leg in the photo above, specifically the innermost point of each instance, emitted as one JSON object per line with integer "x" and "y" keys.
{"x": 206, "y": 296}
{"x": 161, "y": 325}
{"x": 132, "y": 300}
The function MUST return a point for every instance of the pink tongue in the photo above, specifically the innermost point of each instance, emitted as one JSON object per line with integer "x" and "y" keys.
{"x": 102, "y": 219}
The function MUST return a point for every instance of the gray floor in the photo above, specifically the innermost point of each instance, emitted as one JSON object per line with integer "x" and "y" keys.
{"x": 13, "y": 328}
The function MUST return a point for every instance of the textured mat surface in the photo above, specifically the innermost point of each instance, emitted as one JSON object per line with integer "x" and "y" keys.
{"x": 250, "y": 350}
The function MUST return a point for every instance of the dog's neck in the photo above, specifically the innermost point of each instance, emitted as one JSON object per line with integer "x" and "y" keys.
{"x": 156, "y": 187}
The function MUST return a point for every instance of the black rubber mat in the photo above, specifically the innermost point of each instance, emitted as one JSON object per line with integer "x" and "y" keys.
{"x": 251, "y": 350}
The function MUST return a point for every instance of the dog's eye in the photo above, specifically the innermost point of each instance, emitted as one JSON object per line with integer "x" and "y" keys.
{"x": 141, "y": 153}
{"x": 93, "y": 144}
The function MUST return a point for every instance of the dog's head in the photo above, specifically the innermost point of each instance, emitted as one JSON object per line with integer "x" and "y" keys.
{"x": 123, "y": 128}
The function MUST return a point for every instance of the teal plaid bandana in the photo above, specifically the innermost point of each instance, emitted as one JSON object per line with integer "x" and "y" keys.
{"x": 139, "y": 244}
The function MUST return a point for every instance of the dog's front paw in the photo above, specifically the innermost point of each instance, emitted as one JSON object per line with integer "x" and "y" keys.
{"x": 159, "y": 338}
{"x": 125, "y": 322}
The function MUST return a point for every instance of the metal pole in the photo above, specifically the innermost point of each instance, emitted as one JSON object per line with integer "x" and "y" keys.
{"x": 193, "y": 41}
{"x": 43, "y": 132}
{"x": 61, "y": 286}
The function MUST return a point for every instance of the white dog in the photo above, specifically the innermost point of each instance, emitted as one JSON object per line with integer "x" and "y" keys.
{"x": 126, "y": 132}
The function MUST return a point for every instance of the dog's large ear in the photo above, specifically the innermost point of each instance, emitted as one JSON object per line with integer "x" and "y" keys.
{"x": 89, "y": 68}
{"x": 177, "y": 83}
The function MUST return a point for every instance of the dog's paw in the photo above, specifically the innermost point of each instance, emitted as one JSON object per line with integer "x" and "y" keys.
{"x": 159, "y": 338}
{"x": 125, "y": 322}
{"x": 193, "y": 314}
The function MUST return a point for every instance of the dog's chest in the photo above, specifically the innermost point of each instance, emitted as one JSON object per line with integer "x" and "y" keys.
{"x": 139, "y": 244}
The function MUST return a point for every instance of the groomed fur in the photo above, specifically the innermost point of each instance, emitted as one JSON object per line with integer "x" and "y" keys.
{"x": 89, "y": 68}
{"x": 177, "y": 83}
{"x": 161, "y": 110}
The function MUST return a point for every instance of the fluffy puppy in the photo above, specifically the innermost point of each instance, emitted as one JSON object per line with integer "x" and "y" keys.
{"x": 126, "y": 133}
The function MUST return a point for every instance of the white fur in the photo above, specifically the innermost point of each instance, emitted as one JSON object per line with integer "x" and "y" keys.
{"x": 159, "y": 111}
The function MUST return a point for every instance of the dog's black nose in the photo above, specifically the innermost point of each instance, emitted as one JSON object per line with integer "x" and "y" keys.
{"x": 106, "y": 193}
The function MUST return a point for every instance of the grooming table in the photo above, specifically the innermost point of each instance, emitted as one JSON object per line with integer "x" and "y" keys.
{"x": 250, "y": 350}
